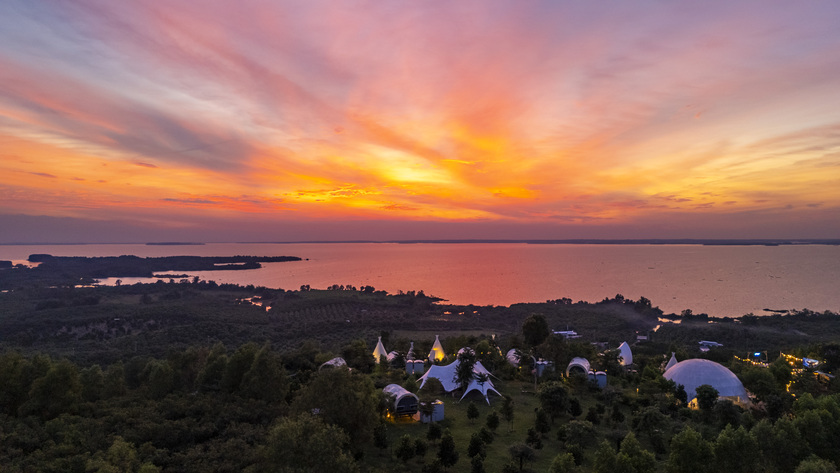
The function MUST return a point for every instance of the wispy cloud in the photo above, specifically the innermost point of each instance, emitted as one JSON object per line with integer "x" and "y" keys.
{"x": 502, "y": 111}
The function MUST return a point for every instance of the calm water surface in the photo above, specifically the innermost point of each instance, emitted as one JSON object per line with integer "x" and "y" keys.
{"x": 718, "y": 280}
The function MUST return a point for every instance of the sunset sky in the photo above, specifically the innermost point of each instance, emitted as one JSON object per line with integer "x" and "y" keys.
{"x": 338, "y": 120}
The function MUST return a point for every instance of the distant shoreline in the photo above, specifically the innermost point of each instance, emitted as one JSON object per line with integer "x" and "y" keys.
{"x": 580, "y": 241}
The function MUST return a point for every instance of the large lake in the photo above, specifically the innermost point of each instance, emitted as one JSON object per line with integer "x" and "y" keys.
{"x": 718, "y": 280}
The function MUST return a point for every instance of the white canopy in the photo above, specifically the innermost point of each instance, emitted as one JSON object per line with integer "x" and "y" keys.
{"x": 446, "y": 375}
{"x": 379, "y": 351}
{"x": 626, "y": 356}
{"x": 334, "y": 363}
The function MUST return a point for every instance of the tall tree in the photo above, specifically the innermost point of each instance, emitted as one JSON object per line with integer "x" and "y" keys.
{"x": 343, "y": 398}
{"x": 690, "y": 453}
{"x": 521, "y": 453}
{"x": 736, "y": 451}
{"x": 447, "y": 454}
{"x": 633, "y": 458}
{"x": 535, "y": 330}
{"x": 562, "y": 463}
{"x": 508, "y": 411}
{"x": 554, "y": 398}
{"x": 706, "y": 397}
{"x": 472, "y": 412}
{"x": 304, "y": 444}
{"x": 405, "y": 450}
{"x": 266, "y": 379}
{"x": 464, "y": 371}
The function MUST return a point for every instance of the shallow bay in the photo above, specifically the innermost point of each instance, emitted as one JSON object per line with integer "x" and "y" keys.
{"x": 718, "y": 280}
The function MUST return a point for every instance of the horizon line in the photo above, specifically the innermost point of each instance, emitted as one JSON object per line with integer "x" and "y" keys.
{"x": 571, "y": 241}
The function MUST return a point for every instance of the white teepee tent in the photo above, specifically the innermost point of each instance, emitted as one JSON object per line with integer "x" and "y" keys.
{"x": 379, "y": 351}
{"x": 436, "y": 353}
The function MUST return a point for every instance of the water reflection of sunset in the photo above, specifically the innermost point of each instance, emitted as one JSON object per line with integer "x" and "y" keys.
{"x": 572, "y": 120}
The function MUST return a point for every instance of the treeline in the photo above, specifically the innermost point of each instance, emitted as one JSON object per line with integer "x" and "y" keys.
{"x": 253, "y": 409}
{"x": 201, "y": 409}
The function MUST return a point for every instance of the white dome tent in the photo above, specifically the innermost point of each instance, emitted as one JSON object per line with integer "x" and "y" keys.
{"x": 697, "y": 372}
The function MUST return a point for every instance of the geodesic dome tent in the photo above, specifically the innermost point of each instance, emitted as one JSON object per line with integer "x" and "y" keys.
{"x": 697, "y": 372}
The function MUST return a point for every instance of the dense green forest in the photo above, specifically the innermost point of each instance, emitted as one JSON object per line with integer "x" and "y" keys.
{"x": 189, "y": 375}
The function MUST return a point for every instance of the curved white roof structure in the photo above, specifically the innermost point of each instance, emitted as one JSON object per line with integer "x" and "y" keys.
{"x": 697, "y": 372}
{"x": 379, "y": 351}
{"x": 578, "y": 365}
{"x": 672, "y": 361}
{"x": 404, "y": 401}
{"x": 436, "y": 353}
{"x": 626, "y": 356}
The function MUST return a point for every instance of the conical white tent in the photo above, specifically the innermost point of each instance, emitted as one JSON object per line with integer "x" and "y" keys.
{"x": 379, "y": 351}
{"x": 672, "y": 361}
{"x": 410, "y": 355}
{"x": 626, "y": 356}
{"x": 436, "y": 353}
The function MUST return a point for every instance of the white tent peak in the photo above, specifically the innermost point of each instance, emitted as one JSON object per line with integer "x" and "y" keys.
{"x": 672, "y": 361}
{"x": 410, "y": 355}
{"x": 626, "y": 356}
{"x": 379, "y": 351}
{"x": 436, "y": 353}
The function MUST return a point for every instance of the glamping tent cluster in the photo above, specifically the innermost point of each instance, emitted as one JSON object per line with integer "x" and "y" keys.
{"x": 446, "y": 374}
